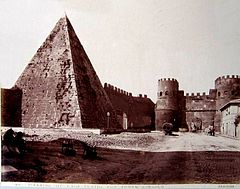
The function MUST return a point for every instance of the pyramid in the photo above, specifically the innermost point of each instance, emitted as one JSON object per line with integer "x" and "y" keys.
{"x": 60, "y": 86}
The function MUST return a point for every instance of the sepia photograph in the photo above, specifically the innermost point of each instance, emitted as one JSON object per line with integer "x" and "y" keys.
{"x": 124, "y": 94}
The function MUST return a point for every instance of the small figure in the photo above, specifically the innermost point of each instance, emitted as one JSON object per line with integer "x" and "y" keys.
{"x": 210, "y": 130}
{"x": 9, "y": 141}
{"x": 168, "y": 127}
{"x": 89, "y": 152}
{"x": 15, "y": 144}
{"x": 193, "y": 127}
{"x": 8, "y": 137}
{"x": 67, "y": 148}
{"x": 20, "y": 143}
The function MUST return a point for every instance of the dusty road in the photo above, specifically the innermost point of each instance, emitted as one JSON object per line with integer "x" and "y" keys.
{"x": 153, "y": 159}
{"x": 153, "y": 142}
{"x": 196, "y": 142}
{"x": 158, "y": 142}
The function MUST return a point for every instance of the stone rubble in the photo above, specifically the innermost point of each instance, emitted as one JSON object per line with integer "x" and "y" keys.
{"x": 122, "y": 140}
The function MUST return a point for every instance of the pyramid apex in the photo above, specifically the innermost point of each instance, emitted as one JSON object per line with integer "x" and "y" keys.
{"x": 65, "y": 13}
{"x": 65, "y": 19}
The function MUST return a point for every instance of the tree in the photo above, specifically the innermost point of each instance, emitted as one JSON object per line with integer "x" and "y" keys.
{"x": 237, "y": 120}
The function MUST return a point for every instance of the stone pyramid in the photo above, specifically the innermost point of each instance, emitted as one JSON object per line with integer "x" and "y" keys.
{"x": 60, "y": 86}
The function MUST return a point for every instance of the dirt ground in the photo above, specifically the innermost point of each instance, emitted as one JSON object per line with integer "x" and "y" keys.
{"x": 130, "y": 158}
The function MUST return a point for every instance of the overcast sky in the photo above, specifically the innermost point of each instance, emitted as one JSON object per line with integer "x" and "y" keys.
{"x": 131, "y": 43}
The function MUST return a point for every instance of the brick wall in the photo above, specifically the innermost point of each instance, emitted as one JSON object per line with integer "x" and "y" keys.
{"x": 200, "y": 108}
{"x": 11, "y": 107}
{"x": 139, "y": 110}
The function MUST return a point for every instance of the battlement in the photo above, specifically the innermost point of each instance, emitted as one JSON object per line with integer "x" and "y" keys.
{"x": 228, "y": 77}
{"x": 120, "y": 91}
{"x": 142, "y": 96}
{"x": 221, "y": 79}
{"x": 202, "y": 95}
{"x": 167, "y": 84}
{"x": 196, "y": 94}
{"x": 168, "y": 79}
{"x": 116, "y": 90}
{"x": 181, "y": 93}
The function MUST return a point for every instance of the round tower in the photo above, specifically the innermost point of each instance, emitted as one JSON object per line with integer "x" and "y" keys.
{"x": 227, "y": 89}
{"x": 167, "y": 104}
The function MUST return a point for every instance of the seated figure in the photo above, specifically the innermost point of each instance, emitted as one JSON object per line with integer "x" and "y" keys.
{"x": 14, "y": 144}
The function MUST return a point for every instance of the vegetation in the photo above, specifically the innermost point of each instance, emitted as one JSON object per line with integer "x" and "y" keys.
{"x": 237, "y": 120}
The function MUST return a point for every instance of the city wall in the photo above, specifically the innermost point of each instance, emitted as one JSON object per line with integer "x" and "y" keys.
{"x": 11, "y": 100}
{"x": 139, "y": 111}
{"x": 201, "y": 109}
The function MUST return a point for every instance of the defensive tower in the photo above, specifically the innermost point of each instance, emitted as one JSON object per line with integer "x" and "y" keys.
{"x": 228, "y": 88}
{"x": 166, "y": 109}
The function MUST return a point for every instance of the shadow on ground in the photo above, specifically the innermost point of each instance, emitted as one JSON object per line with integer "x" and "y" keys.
{"x": 44, "y": 162}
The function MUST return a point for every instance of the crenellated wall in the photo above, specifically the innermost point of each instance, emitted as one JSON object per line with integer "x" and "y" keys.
{"x": 200, "y": 102}
{"x": 139, "y": 111}
{"x": 200, "y": 109}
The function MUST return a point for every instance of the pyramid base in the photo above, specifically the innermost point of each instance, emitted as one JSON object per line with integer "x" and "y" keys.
{"x": 40, "y": 131}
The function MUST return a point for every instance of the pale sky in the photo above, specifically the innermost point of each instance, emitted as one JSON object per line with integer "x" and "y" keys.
{"x": 131, "y": 43}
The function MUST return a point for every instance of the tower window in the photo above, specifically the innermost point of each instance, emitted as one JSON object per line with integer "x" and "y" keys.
{"x": 166, "y": 93}
{"x": 219, "y": 93}
{"x": 160, "y": 93}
